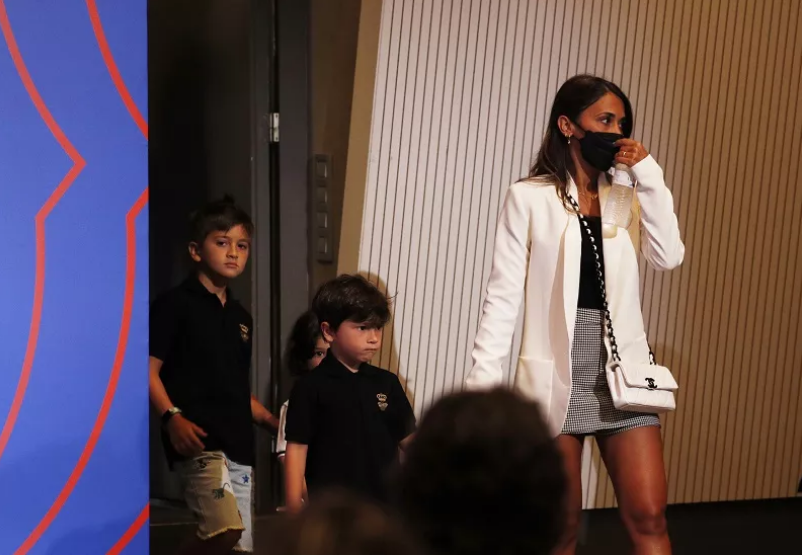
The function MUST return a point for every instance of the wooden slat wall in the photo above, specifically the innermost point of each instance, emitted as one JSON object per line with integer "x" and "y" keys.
{"x": 462, "y": 92}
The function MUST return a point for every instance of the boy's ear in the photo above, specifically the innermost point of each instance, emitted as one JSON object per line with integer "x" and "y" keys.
{"x": 194, "y": 251}
{"x": 327, "y": 331}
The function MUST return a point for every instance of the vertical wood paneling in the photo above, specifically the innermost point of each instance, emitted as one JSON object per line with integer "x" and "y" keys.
{"x": 789, "y": 404}
{"x": 463, "y": 89}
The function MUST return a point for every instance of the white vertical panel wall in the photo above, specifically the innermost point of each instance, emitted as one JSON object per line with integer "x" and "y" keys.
{"x": 463, "y": 88}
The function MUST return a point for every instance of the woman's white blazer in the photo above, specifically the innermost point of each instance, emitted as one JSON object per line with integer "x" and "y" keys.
{"x": 538, "y": 246}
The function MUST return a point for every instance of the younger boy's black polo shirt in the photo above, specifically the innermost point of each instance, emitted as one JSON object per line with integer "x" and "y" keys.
{"x": 352, "y": 423}
{"x": 206, "y": 350}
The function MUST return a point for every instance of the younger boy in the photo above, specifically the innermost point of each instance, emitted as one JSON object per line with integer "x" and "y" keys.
{"x": 347, "y": 419}
{"x": 200, "y": 355}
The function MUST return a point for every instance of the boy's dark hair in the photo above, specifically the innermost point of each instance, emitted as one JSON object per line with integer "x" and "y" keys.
{"x": 301, "y": 343}
{"x": 218, "y": 215}
{"x": 339, "y": 523}
{"x": 351, "y": 297}
{"x": 483, "y": 476}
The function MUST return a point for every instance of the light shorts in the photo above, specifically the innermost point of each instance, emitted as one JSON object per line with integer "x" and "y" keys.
{"x": 219, "y": 493}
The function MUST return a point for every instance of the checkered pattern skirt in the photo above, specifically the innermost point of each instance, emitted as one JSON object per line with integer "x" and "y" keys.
{"x": 590, "y": 408}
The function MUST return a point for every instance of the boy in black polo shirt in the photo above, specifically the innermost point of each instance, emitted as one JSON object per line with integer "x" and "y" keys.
{"x": 346, "y": 419}
{"x": 200, "y": 355}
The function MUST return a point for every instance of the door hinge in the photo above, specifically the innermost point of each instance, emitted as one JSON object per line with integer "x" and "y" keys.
{"x": 273, "y": 127}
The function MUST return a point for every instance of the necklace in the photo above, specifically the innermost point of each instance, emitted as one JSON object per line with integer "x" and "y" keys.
{"x": 586, "y": 194}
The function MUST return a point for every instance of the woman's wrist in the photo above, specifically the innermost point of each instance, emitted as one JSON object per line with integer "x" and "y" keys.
{"x": 647, "y": 171}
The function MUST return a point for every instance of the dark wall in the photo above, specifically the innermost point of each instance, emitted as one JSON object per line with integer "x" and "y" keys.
{"x": 335, "y": 31}
{"x": 200, "y": 121}
{"x": 200, "y": 140}
{"x": 293, "y": 18}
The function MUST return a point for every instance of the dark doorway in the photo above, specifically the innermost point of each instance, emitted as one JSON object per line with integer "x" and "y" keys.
{"x": 219, "y": 70}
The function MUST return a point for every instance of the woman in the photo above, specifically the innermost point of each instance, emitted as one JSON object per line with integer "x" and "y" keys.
{"x": 542, "y": 249}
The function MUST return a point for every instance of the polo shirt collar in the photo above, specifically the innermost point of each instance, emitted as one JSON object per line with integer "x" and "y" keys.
{"x": 333, "y": 367}
{"x": 193, "y": 284}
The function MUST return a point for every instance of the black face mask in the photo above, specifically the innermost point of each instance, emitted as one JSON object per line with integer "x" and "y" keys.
{"x": 598, "y": 149}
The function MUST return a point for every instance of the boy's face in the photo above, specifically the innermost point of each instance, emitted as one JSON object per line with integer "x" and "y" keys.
{"x": 353, "y": 342}
{"x": 224, "y": 253}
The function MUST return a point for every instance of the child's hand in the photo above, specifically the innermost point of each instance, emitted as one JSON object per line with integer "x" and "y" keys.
{"x": 185, "y": 436}
{"x": 294, "y": 507}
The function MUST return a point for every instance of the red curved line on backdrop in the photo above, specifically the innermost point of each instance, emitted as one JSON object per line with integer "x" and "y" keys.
{"x": 111, "y": 388}
{"x": 39, "y": 281}
{"x": 111, "y": 65}
{"x": 131, "y": 533}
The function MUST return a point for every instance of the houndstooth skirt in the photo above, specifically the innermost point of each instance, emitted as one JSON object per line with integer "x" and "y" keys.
{"x": 590, "y": 408}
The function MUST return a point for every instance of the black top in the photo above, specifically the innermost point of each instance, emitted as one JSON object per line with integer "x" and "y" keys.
{"x": 352, "y": 423}
{"x": 206, "y": 350}
{"x": 589, "y": 293}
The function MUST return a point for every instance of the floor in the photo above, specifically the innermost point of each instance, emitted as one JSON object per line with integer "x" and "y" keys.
{"x": 740, "y": 528}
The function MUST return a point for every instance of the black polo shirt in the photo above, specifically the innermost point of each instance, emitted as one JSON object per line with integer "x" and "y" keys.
{"x": 206, "y": 350}
{"x": 352, "y": 423}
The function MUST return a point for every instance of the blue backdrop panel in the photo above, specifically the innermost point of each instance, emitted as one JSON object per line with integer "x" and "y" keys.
{"x": 74, "y": 294}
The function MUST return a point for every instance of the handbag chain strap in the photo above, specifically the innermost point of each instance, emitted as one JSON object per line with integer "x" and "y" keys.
{"x": 602, "y": 289}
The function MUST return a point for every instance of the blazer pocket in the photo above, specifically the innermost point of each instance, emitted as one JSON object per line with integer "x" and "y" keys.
{"x": 533, "y": 379}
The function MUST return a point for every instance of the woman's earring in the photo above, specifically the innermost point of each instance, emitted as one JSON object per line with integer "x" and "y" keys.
{"x": 569, "y": 138}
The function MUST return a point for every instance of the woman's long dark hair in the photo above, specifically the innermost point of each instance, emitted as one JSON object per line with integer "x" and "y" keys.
{"x": 574, "y": 97}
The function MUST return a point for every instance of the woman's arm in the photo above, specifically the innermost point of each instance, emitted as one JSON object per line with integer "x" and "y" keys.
{"x": 660, "y": 240}
{"x": 504, "y": 291}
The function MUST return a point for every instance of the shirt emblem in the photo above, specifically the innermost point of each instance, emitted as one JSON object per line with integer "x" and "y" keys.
{"x": 382, "y": 401}
{"x": 244, "y": 332}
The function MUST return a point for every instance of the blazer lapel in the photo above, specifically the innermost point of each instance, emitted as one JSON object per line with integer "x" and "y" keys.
{"x": 610, "y": 245}
{"x": 572, "y": 251}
